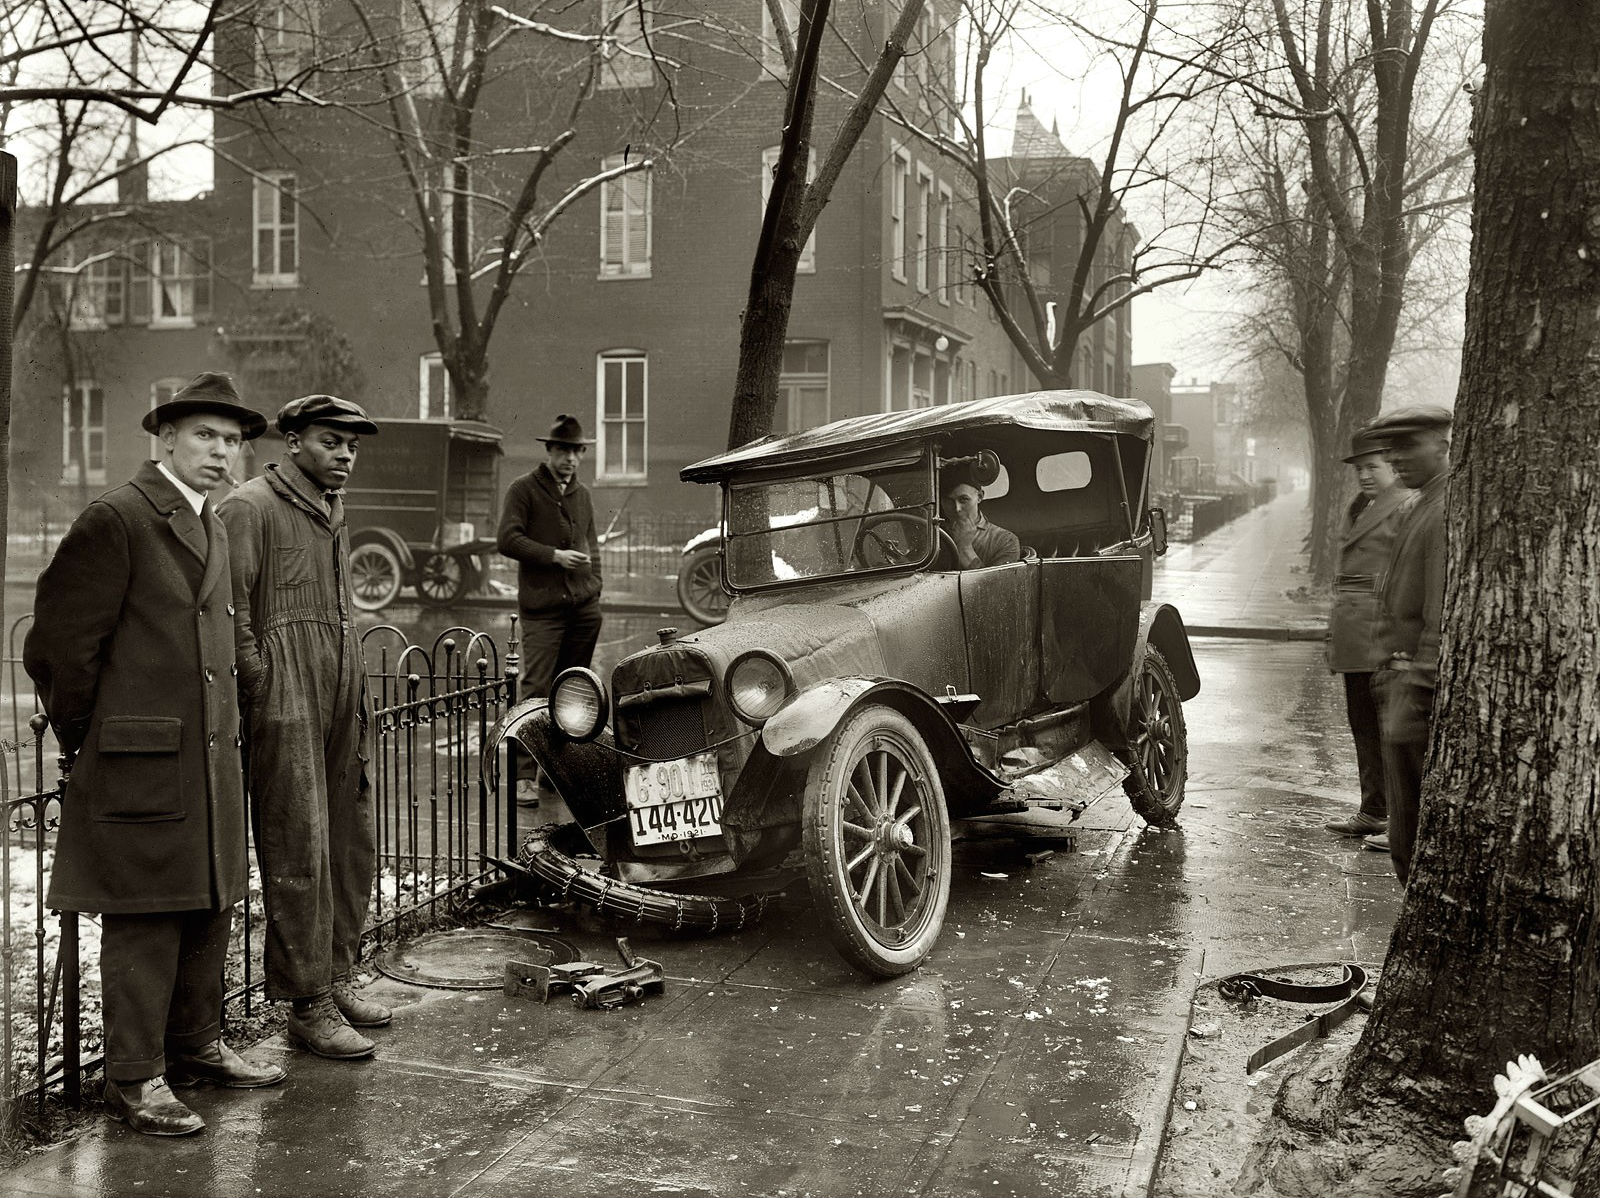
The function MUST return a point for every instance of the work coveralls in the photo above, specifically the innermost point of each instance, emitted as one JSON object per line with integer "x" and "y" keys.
{"x": 302, "y": 683}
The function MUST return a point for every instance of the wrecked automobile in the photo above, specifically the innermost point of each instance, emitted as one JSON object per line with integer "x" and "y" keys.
{"x": 864, "y": 691}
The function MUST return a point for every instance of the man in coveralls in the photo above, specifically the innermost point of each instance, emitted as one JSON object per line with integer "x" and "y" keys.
{"x": 132, "y": 651}
{"x": 302, "y": 683}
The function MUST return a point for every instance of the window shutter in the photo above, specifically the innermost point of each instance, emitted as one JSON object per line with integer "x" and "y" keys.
{"x": 638, "y": 190}
{"x": 200, "y": 264}
{"x": 139, "y": 283}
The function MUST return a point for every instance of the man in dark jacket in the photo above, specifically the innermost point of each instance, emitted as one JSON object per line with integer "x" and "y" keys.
{"x": 547, "y": 528}
{"x": 132, "y": 651}
{"x": 1352, "y": 624}
{"x": 303, "y": 683}
{"x": 1417, "y": 443}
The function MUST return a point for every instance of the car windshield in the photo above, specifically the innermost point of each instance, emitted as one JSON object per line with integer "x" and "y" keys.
{"x": 823, "y": 526}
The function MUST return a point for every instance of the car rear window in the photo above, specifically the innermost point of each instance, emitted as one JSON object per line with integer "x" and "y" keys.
{"x": 1068, "y": 471}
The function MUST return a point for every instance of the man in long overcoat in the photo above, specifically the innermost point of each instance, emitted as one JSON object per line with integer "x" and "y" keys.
{"x": 303, "y": 683}
{"x": 1352, "y": 623}
{"x": 132, "y": 651}
{"x": 1417, "y": 443}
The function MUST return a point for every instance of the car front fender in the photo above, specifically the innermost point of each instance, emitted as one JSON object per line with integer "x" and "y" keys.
{"x": 386, "y": 536}
{"x": 587, "y": 775}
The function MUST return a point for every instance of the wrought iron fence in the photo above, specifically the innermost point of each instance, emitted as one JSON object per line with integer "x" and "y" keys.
{"x": 438, "y": 818}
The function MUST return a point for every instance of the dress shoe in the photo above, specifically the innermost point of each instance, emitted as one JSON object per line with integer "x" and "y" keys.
{"x": 359, "y": 1011}
{"x": 221, "y": 1066}
{"x": 1378, "y": 843}
{"x": 151, "y": 1108}
{"x": 1360, "y": 824}
{"x": 317, "y": 1024}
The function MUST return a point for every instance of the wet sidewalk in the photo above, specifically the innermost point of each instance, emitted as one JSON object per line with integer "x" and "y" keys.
{"x": 1238, "y": 581}
{"x": 1035, "y": 1053}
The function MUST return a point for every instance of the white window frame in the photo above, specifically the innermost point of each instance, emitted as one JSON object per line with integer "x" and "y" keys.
{"x": 282, "y": 50}
{"x": 90, "y": 287}
{"x": 769, "y": 163}
{"x": 899, "y": 198}
{"x": 81, "y": 394}
{"x": 623, "y": 267}
{"x": 624, "y": 69}
{"x": 604, "y": 434}
{"x": 924, "y": 197}
{"x": 790, "y": 383}
{"x": 946, "y": 207}
{"x": 280, "y": 185}
{"x": 772, "y": 49}
{"x": 426, "y": 364}
{"x": 184, "y": 249}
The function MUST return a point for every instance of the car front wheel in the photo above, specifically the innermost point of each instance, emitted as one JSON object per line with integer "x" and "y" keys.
{"x": 877, "y": 842}
{"x": 375, "y": 576}
{"x": 1159, "y": 743}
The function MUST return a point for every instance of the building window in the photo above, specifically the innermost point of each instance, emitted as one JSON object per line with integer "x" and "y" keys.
{"x": 427, "y": 43}
{"x": 625, "y": 222}
{"x": 802, "y": 387}
{"x": 769, "y": 164}
{"x": 771, "y": 47}
{"x": 284, "y": 31}
{"x": 924, "y": 202}
{"x": 160, "y": 392}
{"x": 622, "y": 383}
{"x": 899, "y": 214}
{"x": 629, "y": 62}
{"x": 83, "y": 434}
{"x": 97, "y": 290}
{"x": 171, "y": 283}
{"x": 433, "y": 388}
{"x": 277, "y": 225}
{"x": 941, "y": 232}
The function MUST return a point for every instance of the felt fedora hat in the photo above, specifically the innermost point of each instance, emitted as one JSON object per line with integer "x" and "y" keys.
{"x": 566, "y": 431}
{"x": 210, "y": 391}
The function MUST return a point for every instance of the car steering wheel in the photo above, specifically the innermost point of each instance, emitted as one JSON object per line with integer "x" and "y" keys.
{"x": 885, "y": 546}
{"x": 948, "y": 557}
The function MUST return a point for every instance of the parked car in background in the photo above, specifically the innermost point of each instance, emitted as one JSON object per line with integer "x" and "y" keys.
{"x": 863, "y": 691}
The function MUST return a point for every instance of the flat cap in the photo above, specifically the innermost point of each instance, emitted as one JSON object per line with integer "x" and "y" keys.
{"x": 1414, "y": 418}
{"x": 325, "y": 409}
{"x": 1363, "y": 444}
{"x": 210, "y": 391}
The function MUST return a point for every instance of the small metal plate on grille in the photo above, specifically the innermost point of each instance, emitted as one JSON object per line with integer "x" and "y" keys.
{"x": 468, "y": 958}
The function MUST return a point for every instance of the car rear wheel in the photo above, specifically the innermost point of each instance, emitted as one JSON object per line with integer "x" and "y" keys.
{"x": 375, "y": 576}
{"x": 700, "y": 585}
{"x": 442, "y": 578}
{"x": 1159, "y": 743}
{"x": 877, "y": 842}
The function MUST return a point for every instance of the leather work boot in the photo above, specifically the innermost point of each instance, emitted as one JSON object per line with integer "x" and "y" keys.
{"x": 219, "y": 1065}
{"x": 1360, "y": 824}
{"x": 151, "y": 1108}
{"x": 358, "y": 1011}
{"x": 317, "y": 1024}
{"x": 1378, "y": 843}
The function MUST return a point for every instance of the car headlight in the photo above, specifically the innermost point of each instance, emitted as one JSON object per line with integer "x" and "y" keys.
{"x": 757, "y": 684}
{"x": 578, "y": 703}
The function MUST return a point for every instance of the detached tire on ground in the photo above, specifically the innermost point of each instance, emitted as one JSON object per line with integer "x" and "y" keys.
{"x": 1158, "y": 740}
{"x": 700, "y": 590}
{"x": 376, "y": 575}
{"x": 877, "y": 842}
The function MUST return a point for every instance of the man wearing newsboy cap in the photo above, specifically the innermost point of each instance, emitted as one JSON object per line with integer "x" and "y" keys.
{"x": 132, "y": 651}
{"x": 1416, "y": 442}
{"x": 301, "y": 681}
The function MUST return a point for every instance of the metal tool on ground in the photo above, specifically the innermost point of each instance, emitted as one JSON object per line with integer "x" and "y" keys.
{"x": 592, "y": 986}
{"x": 1347, "y": 992}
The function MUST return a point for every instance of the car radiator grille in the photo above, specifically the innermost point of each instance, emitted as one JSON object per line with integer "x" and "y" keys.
{"x": 665, "y": 729}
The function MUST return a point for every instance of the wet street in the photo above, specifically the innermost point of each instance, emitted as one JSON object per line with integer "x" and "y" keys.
{"x": 1033, "y": 1054}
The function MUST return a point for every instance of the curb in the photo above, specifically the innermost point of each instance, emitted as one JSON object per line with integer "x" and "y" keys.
{"x": 1259, "y": 632}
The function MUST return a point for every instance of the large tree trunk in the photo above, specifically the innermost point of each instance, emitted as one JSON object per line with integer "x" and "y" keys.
{"x": 1497, "y": 950}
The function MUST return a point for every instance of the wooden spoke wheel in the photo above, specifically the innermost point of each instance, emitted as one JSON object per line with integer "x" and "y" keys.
{"x": 1159, "y": 742}
{"x": 375, "y": 576}
{"x": 700, "y": 585}
{"x": 443, "y": 578}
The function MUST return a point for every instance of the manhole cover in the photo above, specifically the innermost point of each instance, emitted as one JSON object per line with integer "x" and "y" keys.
{"x": 468, "y": 958}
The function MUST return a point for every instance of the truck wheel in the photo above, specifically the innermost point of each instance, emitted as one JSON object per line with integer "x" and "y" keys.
{"x": 442, "y": 578}
{"x": 1159, "y": 742}
{"x": 375, "y": 575}
{"x": 700, "y": 586}
{"x": 877, "y": 842}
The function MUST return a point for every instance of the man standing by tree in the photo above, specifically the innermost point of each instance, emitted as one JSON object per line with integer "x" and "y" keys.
{"x": 131, "y": 648}
{"x": 304, "y": 686}
{"x": 547, "y": 528}
{"x": 1417, "y": 443}
{"x": 1352, "y": 624}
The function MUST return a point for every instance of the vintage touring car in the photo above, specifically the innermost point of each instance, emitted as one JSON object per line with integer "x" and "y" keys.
{"x": 864, "y": 690}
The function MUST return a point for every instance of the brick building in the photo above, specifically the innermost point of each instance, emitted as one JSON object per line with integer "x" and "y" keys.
{"x": 629, "y": 317}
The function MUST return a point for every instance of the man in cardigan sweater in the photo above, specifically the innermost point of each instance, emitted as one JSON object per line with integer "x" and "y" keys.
{"x": 547, "y": 528}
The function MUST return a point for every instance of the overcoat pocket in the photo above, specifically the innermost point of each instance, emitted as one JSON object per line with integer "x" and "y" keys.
{"x": 139, "y": 775}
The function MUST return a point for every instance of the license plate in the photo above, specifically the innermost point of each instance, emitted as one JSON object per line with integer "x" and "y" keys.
{"x": 674, "y": 800}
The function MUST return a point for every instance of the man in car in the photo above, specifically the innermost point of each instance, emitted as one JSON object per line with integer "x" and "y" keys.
{"x": 978, "y": 541}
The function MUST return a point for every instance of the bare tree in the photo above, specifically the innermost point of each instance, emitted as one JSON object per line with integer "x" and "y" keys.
{"x": 1497, "y": 949}
{"x": 795, "y": 202}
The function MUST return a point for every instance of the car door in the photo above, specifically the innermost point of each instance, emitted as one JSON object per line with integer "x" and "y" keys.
{"x": 1000, "y": 624}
